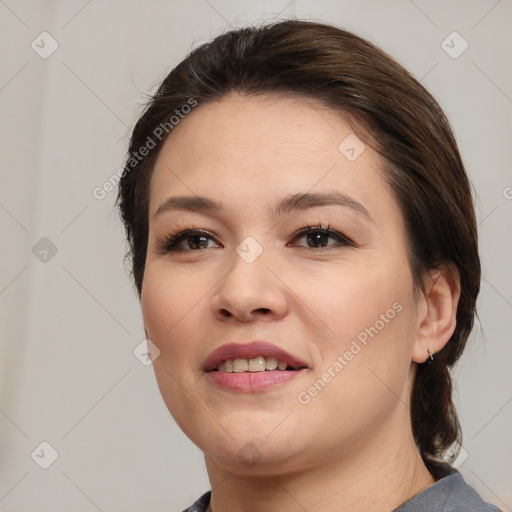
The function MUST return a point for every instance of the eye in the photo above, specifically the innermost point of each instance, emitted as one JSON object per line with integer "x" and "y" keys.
{"x": 187, "y": 240}
{"x": 317, "y": 237}
{"x": 194, "y": 239}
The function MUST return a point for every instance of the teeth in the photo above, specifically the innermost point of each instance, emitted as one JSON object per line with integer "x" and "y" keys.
{"x": 271, "y": 363}
{"x": 256, "y": 364}
{"x": 240, "y": 365}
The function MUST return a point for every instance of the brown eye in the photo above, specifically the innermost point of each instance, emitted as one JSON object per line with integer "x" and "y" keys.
{"x": 197, "y": 242}
{"x": 189, "y": 240}
{"x": 318, "y": 237}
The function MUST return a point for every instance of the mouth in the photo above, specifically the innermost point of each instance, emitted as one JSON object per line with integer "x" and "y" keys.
{"x": 255, "y": 365}
{"x": 253, "y": 357}
{"x": 250, "y": 367}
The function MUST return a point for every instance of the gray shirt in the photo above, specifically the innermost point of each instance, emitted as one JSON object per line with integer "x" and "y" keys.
{"x": 449, "y": 494}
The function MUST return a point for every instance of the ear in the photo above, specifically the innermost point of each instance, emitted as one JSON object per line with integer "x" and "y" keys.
{"x": 437, "y": 310}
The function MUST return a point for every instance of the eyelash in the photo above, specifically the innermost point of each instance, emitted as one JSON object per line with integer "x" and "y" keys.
{"x": 171, "y": 241}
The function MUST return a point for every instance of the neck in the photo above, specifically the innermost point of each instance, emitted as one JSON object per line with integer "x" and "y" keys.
{"x": 378, "y": 473}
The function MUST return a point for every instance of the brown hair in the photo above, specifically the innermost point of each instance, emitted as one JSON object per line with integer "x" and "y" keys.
{"x": 407, "y": 127}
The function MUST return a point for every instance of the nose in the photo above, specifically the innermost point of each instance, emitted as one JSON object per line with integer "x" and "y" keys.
{"x": 250, "y": 291}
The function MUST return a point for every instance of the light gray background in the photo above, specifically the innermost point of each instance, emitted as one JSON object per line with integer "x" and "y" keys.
{"x": 70, "y": 324}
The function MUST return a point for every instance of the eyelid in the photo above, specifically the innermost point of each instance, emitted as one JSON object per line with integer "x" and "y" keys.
{"x": 164, "y": 245}
{"x": 169, "y": 243}
{"x": 333, "y": 233}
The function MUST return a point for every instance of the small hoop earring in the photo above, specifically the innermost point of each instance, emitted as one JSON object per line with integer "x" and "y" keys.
{"x": 431, "y": 354}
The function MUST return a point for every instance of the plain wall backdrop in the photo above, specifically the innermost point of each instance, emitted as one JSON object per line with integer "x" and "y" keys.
{"x": 70, "y": 320}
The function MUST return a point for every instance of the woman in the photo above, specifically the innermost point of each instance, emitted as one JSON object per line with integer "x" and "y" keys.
{"x": 304, "y": 246}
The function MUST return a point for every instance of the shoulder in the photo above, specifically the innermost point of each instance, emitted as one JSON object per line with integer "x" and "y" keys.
{"x": 201, "y": 504}
{"x": 449, "y": 494}
{"x": 463, "y": 497}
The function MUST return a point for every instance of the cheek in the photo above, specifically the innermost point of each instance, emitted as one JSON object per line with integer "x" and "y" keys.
{"x": 367, "y": 337}
{"x": 171, "y": 301}
{"x": 364, "y": 373}
{"x": 350, "y": 299}
{"x": 172, "y": 304}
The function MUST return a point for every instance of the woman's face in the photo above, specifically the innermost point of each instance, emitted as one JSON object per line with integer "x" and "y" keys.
{"x": 339, "y": 303}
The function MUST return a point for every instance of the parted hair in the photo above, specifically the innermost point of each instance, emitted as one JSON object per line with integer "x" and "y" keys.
{"x": 393, "y": 113}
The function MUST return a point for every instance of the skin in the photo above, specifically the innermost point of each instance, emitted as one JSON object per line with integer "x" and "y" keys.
{"x": 351, "y": 446}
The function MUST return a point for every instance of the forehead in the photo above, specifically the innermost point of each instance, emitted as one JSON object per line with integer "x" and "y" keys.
{"x": 256, "y": 147}
{"x": 270, "y": 121}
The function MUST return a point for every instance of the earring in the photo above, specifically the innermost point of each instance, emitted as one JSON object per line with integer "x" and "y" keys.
{"x": 431, "y": 354}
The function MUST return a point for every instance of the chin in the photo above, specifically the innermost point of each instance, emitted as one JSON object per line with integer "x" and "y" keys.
{"x": 251, "y": 451}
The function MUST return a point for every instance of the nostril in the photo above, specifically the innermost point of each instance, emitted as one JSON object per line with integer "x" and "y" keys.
{"x": 262, "y": 310}
{"x": 244, "y": 318}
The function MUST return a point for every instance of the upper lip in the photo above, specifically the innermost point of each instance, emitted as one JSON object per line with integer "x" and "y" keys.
{"x": 248, "y": 351}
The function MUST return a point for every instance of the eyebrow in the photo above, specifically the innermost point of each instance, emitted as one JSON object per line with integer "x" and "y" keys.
{"x": 301, "y": 201}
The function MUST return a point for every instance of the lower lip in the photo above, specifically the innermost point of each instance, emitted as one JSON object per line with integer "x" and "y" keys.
{"x": 250, "y": 382}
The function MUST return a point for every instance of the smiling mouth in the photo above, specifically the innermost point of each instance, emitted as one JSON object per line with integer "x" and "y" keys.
{"x": 254, "y": 365}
